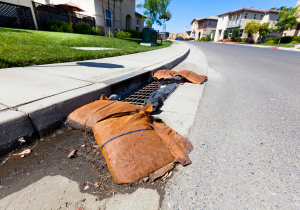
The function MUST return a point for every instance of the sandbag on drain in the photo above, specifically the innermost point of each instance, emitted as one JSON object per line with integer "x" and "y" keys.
{"x": 134, "y": 147}
{"x": 164, "y": 74}
{"x": 191, "y": 76}
{"x": 88, "y": 115}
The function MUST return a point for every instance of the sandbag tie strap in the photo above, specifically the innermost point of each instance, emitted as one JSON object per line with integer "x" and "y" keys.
{"x": 165, "y": 74}
{"x": 149, "y": 129}
{"x": 98, "y": 111}
{"x": 188, "y": 74}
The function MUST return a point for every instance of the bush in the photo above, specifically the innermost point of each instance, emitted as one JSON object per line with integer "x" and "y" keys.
{"x": 122, "y": 34}
{"x": 225, "y": 34}
{"x": 294, "y": 42}
{"x": 284, "y": 39}
{"x": 59, "y": 26}
{"x": 83, "y": 28}
{"x": 220, "y": 40}
{"x": 134, "y": 33}
{"x": 296, "y": 39}
{"x": 235, "y": 33}
{"x": 208, "y": 38}
{"x": 270, "y": 42}
{"x": 203, "y": 39}
{"x": 95, "y": 31}
{"x": 251, "y": 41}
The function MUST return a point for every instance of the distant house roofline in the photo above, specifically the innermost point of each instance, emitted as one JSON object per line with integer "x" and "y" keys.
{"x": 138, "y": 14}
{"x": 211, "y": 17}
{"x": 250, "y": 10}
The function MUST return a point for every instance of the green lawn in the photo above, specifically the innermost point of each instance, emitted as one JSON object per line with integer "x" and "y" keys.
{"x": 26, "y": 47}
{"x": 280, "y": 45}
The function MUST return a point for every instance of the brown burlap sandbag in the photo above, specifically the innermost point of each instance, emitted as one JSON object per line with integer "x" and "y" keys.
{"x": 191, "y": 76}
{"x": 163, "y": 74}
{"x": 88, "y": 115}
{"x": 133, "y": 147}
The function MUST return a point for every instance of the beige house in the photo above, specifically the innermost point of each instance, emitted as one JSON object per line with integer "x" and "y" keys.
{"x": 203, "y": 26}
{"x": 295, "y": 31}
{"x": 125, "y": 15}
{"x": 239, "y": 18}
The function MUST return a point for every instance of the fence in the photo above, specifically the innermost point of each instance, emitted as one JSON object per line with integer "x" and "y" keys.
{"x": 47, "y": 12}
{"x": 16, "y": 16}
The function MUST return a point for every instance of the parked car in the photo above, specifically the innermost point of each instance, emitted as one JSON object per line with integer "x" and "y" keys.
{"x": 179, "y": 38}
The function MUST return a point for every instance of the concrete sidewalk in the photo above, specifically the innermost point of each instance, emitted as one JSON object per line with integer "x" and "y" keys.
{"x": 36, "y": 98}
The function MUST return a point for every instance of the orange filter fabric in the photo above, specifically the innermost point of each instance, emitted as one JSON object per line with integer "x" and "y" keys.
{"x": 88, "y": 115}
{"x": 164, "y": 74}
{"x": 131, "y": 148}
{"x": 134, "y": 146}
{"x": 191, "y": 76}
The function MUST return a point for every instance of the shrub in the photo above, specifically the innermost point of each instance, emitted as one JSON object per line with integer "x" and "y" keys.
{"x": 95, "y": 31}
{"x": 294, "y": 42}
{"x": 134, "y": 33}
{"x": 220, "y": 40}
{"x": 59, "y": 26}
{"x": 296, "y": 39}
{"x": 225, "y": 34}
{"x": 270, "y": 42}
{"x": 251, "y": 41}
{"x": 235, "y": 33}
{"x": 236, "y": 39}
{"x": 243, "y": 39}
{"x": 203, "y": 39}
{"x": 123, "y": 34}
{"x": 284, "y": 39}
{"x": 83, "y": 28}
{"x": 208, "y": 38}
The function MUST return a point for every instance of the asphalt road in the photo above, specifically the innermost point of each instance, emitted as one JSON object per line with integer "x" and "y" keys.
{"x": 246, "y": 134}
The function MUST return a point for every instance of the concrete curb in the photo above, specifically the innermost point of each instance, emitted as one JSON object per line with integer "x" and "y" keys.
{"x": 45, "y": 115}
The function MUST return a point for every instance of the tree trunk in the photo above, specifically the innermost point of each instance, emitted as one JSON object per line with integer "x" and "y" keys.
{"x": 280, "y": 38}
{"x": 104, "y": 18}
{"x": 114, "y": 18}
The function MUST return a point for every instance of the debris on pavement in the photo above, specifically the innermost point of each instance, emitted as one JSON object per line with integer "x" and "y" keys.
{"x": 22, "y": 154}
{"x": 187, "y": 74}
{"x": 22, "y": 140}
{"x": 72, "y": 153}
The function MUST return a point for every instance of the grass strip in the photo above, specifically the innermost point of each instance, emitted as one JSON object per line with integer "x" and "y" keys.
{"x": 27, "y": 47}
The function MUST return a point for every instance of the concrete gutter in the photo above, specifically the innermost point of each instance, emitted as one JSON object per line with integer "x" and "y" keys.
{"x": 35, "y": 100}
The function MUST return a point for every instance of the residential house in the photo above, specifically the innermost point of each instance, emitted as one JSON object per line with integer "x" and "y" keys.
{"x": 203, "y": 26}
{"x": 125, "y": 15}
{"x": 296, "y": 30}
{"x": 240, "y": 17}
{"x": 25, "y": 3}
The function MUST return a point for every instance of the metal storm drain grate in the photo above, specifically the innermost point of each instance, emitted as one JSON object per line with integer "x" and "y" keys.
{"x": 139, "y": 96}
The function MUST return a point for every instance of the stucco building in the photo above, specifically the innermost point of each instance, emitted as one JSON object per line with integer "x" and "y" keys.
{"x": 239, "y": 18}
{"x": 203, "y": 26}
{"x": 125, "y": 15}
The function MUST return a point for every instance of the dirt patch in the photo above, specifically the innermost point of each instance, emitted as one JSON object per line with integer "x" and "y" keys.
{"x": 49, "y": 156}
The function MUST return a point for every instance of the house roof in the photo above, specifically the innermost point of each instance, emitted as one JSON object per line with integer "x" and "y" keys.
{"x": 138, "y": 14}
{"x": 211, "y": 17}
{"x": 250, "y": 10}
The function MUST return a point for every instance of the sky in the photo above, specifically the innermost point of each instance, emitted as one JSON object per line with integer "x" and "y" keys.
{"x": 185, "y": 11}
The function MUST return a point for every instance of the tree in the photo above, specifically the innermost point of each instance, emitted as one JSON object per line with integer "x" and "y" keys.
{"x": 153, "y": 10}
{"x": 287, "y": 20}
{"x": 165, "y": 15}
{"x": 278, "y": 8}
{"x": 252, "y": 27}
{"x": 264, "y": 30}
{"x": 225, "y": 34}
{"x": 235, "y": 33}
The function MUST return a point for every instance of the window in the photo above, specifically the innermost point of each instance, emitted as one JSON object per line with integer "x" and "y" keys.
{"x": 209, "y": 23}
{"x": 261, "y": 17}
{"x": 255, "y": 16}
{"x": 246, "y": 15}
{"x": 222, "y": 18}
{"x": 241, "y": 33}
{"x": 108, "y": 18}
{"x": 230, "y": 33}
